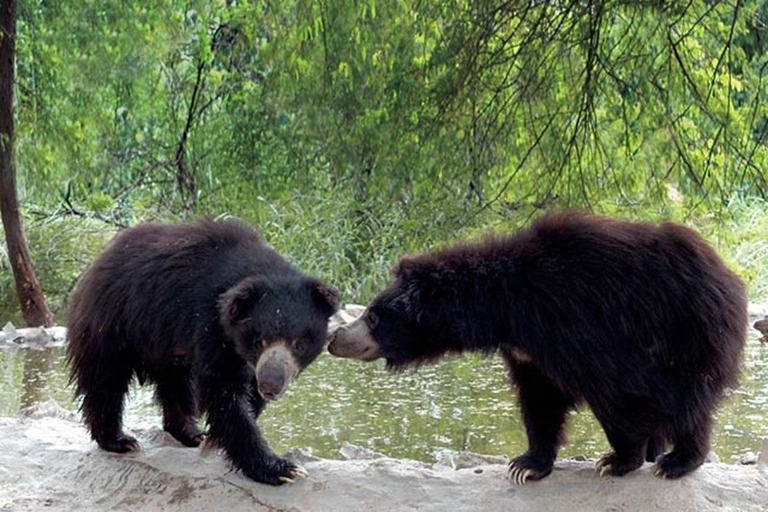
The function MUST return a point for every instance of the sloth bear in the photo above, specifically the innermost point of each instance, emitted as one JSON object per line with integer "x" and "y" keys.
{"x": 211, "y": 315}
{"x": 643, "y": 322}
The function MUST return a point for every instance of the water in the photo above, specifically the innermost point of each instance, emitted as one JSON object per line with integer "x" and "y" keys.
{"x": 462, "y": 403}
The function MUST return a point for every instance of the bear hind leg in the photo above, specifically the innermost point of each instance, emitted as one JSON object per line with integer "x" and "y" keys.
{"x": 176, "y": 393}
{"x": 656, "y": 446}
{"x": 625, "y": 457}
{"x": 631, "y": 436}
{"x": 103, "y": 387}
{"x": 544, "y": 408}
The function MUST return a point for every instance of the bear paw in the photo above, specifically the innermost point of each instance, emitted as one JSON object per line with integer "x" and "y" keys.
{"x": 675, "y": 465}
{"x": 277, "y": 471}
{"x": 611, "y": 464}
{"x": 528, "y": 467}
{"x": 188, "y": 435}
{"x": 122, "y": 443}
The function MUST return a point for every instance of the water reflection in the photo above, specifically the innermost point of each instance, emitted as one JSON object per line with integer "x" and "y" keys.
{"x": 28, "y": 376}
{"x": 37, "y": 365}
{"x": 461, "y": 403}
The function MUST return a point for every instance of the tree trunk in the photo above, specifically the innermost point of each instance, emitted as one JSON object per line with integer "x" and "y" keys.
{"x": 33, "y": 305}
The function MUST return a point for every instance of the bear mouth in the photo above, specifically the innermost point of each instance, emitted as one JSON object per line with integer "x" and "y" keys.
{"x": 369, "y": 354}
{"x": 359, "y": 351}
{"x": 275, "y": 370}
{"x": 354, "y": 341}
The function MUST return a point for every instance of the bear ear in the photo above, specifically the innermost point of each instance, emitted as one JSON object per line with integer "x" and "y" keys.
{"x": 407, "y": 268}
{"x": 236, "y": 303}
{"x": 421, "y": 276}
{"x": 324, "y": 296}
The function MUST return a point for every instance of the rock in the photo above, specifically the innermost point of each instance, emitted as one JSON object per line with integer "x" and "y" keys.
{"x": 36, "y": 338}
{"x": 58, "y": 333}
{"x": 50, "y": 463}
{"x": 349, "y": 313}
{"x": 749, "y": 459}
{"x": 299, "y": 455}
{"x": 468, "y": 460}
{"x": 762, "y": 459}
{"x": 354, "y": 310}
{"x": 350, "y": 451}
{"x": 9, "y": 329}
{"x": 8, "y": 334}
{"x": 758, "y": 309}
{"x": 47, "y": 409}
{"x": 158, "y": 437}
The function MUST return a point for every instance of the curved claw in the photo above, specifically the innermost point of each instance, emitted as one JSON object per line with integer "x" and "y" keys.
{"x": 602, "y": 463}
{"x": 286, "y": 480}
{"x": 657, "y": 471}
{"x": 519, "y": 475}
{"x": 300, "y": 471}
{"x": 605, "y": 470}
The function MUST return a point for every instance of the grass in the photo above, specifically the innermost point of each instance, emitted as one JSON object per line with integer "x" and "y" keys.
{"x": 354, "y": 250}
{"x": 741, "y": 237}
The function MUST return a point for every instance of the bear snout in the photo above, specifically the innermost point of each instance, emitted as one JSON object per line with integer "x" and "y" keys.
{"x": 275, "y": 369}
{"x": 354, "y": 341}
{"x": 271, "y": 389}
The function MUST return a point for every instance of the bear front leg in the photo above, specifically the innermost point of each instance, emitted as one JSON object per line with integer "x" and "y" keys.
{"x": 233, "y": 428}
{"x": 544, "y": 408}
{"x": 255, "y": 401}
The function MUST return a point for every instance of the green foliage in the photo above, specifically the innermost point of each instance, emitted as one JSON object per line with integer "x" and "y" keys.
{"x": 743, "y": 240}
{"x": 353, "y": 132}
{"x": 61, "y": 248}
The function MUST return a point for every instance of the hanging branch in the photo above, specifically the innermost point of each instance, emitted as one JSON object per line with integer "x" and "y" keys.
{"x": 184, "y": 177}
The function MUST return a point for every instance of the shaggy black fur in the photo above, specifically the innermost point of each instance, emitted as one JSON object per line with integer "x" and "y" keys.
{"x": 643, "y": 322}
{"x": 190, "y": 308}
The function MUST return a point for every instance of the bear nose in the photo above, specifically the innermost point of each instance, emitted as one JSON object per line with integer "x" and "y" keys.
{"x": 270, "y": 390}
{"x": 275, "y": 369}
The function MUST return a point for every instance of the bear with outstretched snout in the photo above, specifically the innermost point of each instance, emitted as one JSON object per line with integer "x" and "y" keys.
{"x": 642, "y": 322}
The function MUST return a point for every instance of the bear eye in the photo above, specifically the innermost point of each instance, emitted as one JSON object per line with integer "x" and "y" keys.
{"x": 299, "y": 344}
{"x": 371, "y": 319}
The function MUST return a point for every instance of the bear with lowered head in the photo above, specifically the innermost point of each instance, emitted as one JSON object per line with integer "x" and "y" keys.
{"x": 216, "y": 319}
{"x": 642, "y": 322}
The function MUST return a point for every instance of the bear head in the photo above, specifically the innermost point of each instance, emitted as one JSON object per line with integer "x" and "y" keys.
{"x": 407, "y": 324}
{"x": 277, "y": 325}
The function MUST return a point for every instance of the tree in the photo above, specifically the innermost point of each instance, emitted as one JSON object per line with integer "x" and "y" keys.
{"x": 33, "y": 305}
